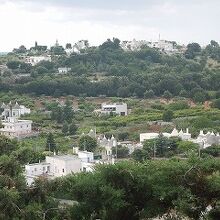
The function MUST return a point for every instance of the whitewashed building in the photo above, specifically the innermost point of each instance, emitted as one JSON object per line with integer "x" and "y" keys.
{"x": 203, "y": 140}
{"x": 60, "y": 165}
{"x": 34, "y": 60}
{"x": 107, "y": 145}
{"x": 15, "y": 128}
{"x": 17, "y": 110}
{"x": 63, "y": 70}
{"x": 182, "y": 135}
{"x": 12, "y": 126}
{"x": 115, "y": 108}
{"x": 80, "y": 45}
{"x": 207, "y": 140}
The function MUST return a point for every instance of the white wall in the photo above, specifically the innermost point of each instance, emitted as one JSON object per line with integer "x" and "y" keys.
{"x": 61, "y": 167}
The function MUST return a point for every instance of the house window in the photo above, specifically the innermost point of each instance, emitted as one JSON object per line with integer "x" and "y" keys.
{"x": 84, "y": 169}
{"x": 21, "y": 126}
{"x": 43, "y": 168}
{"x": 27, "y": 126}
{"x": 35, "y": 169}
{"x": 63, "y": 171}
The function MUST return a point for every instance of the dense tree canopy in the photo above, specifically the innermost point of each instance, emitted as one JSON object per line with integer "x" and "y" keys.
{"x": 144, "y": 73}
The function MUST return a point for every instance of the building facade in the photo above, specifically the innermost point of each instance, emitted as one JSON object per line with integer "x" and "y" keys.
{"x": 34, "y": 60}
{"x": 17, "y": 110}
{"x": 115, "y": 108}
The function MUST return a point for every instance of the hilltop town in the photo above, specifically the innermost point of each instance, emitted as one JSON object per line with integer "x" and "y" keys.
{"x": 107, "y": 117}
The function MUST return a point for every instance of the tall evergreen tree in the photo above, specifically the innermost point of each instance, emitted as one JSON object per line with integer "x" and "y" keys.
{"x": 50, "y": 144}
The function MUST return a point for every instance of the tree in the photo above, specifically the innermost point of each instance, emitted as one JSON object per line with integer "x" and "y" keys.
{"x": 87, "y": 143}
{"x": 216, "y": 103}
{"x": 7, "y": 146}
{"x": 213, "y": 150}
{"x": 123, "y": 136}
{"x": 167, "y": 115}
{"x": 140, "y": 155}
{"x": 68, "y": 46}
{"x": 50, "y": 144}
{"x": 149, "y": 94}
{"x": 167, "y": 95}
{"x": 65, "y": 128}
{"x": 120, "y": 151}
{"x": 13, "y": 64}
{"x": 72, "y": 128}
{"x": 68, "y": 112}
{"x": 199, "y": 96}
{"x": 202, "y": 122}
{"x": 214, "y": 43}
{"x": 187, "y": 147}
{"x": 192, "y": 50}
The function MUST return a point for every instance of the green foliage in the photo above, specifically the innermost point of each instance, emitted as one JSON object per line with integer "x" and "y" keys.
{"x": 123, "y": 136}
{"x": 73, "y": 128}
{"x": 180, "y": 105}
{"x": 124, "y": 74}
{"x": 65, "y": 128}
{"x": 7, "y": 145}
{"x": 193, "y": 49}
{"x": 50, "y": 143}
{"x": 87, "y": 143}
{"x": 167, "y": 95}
{"x": 213, "y": 151}
{"x": 140, "y": 191}
{"x": 120, "y": 151}
{"x": 14, "y": 64}
{"x": 201, "y": 122}
{"x": 187, "y": 147}
{"x": 167, "y": 115}
{"x": 216, "y": 103}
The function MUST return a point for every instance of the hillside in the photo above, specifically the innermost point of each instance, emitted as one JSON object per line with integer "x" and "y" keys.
{"x": 108, "y": 70}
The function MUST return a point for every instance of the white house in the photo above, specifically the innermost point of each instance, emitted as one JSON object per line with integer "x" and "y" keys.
{"x": 63, "y": 70}
{"x": 33, "y": 171}
{"x": 80, "y": 45}
{"x": 34, "y": 60}
{"x": 116, "y": 108}
{"x": 133, "y": 45}
{"x": 60, "y": 165}
{"x": 207, "y": 140}
{"x": 17, "y": 110}
{"x": 63, "y": 165}
{"x": 204, "y": 140}
{"x": 14, "y": 128}
{"x": 107, "y": 145}
{"x": 183, "y": 135}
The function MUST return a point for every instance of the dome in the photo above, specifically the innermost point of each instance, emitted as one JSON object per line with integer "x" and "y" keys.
{"x": 174, "y": 132}
{"x": 16, "y": 106}
{"x": 3, "y": 105}
{"x": 181, "y": 132}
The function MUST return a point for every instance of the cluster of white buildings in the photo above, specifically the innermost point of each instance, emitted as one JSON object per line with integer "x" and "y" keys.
{"x": 34, "y": 60}
{"x": 208, "y": 139}
{"x": 61, "y": 165}
{"x": 106, "y": 144}
{"x": 204, "y": 140}
{"x": 16, "y": 110}
{"x": 13, "y": 127}
{"x": 77, "y": 47}
{"x": 162, "y": 45}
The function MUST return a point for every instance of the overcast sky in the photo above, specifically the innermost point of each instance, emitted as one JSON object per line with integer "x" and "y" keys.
{"x": 27, "y": 21}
